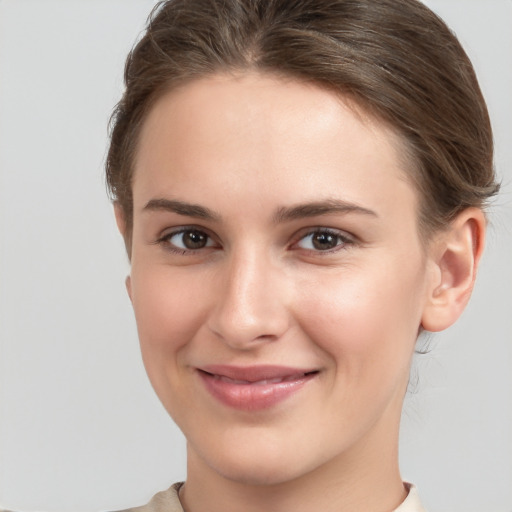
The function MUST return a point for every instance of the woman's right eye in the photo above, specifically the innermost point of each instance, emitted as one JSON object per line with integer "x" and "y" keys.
{"x": 187, "y": 240}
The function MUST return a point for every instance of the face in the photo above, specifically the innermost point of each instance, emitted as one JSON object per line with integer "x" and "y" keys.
{"x": 278, "y": 278}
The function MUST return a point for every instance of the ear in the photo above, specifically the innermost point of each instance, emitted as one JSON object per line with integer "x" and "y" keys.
{"x": 120, "y": 218}
{"x": 121, "y": 225}
{"x": 128, "y": 284}
{"x": 455, "y": 257}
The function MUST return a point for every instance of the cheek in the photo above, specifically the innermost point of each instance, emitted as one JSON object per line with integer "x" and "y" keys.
{"x": 369, "y": 319}
{"x": 168, "y": 309}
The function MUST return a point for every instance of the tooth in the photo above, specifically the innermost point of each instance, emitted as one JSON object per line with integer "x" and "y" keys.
{"x": 231, "y": 381}
{"x": 295, "y": 377}
{"x": 275, "y": 380}
{"x": 263, "y": 382}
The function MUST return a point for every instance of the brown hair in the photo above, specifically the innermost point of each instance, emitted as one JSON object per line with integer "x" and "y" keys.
{"x": 396, "y": 58}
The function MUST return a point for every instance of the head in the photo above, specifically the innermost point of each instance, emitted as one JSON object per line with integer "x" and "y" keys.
{"x": 255, "y": 140}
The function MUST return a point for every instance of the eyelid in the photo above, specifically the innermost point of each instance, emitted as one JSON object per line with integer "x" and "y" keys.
{"x": 347, "y": 239}
{"x": 167, "y": 234}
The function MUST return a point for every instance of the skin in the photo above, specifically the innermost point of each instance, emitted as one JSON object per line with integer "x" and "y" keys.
{"x": 248, "y": 149}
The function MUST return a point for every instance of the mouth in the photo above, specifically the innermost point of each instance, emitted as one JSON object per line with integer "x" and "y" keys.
{"x": 256, "y": 387}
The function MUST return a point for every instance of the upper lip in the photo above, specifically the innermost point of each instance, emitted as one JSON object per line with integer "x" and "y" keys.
{"x": 255, "y": 373}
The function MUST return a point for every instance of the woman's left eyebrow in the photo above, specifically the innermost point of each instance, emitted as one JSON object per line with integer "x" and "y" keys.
{"x": 330, "y": 206}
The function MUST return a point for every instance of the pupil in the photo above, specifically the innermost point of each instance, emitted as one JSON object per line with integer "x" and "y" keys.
{"x": 194, "y": 239}
{"x": 324, "y": 241}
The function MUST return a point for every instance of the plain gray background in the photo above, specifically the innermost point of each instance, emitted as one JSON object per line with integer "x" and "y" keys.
{"x": 80, "y": 428}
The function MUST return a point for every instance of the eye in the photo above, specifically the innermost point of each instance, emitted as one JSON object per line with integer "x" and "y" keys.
{"x": 323, "y": 240}
{"x": 188, "y": 239}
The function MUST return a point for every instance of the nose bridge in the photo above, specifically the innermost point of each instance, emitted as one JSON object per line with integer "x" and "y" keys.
{"x": 250, "y": 307}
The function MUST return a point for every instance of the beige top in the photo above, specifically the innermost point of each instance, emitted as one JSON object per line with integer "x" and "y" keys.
{"x": 168, "y": 501}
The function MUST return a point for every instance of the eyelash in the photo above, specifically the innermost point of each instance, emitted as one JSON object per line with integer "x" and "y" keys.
{"x": 343, "y": 240}
{"x": 169, "y": 246}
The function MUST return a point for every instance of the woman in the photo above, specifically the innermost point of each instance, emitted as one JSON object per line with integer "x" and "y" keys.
{"x": 300, "y": 187}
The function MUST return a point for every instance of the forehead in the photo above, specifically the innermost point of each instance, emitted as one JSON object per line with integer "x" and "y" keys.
{"x": 263, "y": 134}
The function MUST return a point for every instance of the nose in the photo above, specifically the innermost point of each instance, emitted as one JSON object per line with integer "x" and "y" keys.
{"x": 251, "y": 306}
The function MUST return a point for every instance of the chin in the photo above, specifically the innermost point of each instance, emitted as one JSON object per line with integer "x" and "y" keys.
{"x": 259, "y": 473}
{"x": 260, "y": 464}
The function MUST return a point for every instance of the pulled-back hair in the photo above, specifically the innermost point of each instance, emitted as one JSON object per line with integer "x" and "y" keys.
{"x": 395, "y": 58}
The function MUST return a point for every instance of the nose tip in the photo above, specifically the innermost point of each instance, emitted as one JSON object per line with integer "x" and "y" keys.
{"x": 244, "y": 337}
{"x": 250, "y": 309}
{"x": 243, "y": 320}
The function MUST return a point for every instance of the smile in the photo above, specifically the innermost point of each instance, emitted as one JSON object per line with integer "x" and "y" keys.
{"x": 253, "y": 388}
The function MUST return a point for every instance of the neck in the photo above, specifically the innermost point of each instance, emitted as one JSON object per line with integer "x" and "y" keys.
{"x": 365, "y": 480}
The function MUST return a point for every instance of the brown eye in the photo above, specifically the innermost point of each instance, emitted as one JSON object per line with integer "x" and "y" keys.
{"x": 189, "y": 240}
{"x": 323, "y": 240}
{"x": 194, "y": 239}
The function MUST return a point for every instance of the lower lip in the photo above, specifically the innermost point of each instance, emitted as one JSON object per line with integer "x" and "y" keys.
{"x": 253, "y": 396}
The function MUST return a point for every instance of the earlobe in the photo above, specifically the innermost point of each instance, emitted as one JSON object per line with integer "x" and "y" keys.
{"x": 128, "y": 284}
{"x": 455, "y": 262}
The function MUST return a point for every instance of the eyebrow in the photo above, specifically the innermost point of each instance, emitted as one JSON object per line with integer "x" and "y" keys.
{"x": 181, "y": 208}
{"x": 327, "y": 207}
{"x": 283, "y": 214}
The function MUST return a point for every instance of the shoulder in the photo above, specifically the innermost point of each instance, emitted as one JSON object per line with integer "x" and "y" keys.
{"x": 412, "y": 503}
{"x": 165, "y": 501}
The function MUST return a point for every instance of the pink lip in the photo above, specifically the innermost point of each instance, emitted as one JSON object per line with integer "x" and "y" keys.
{"x": 253, "y": 388}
